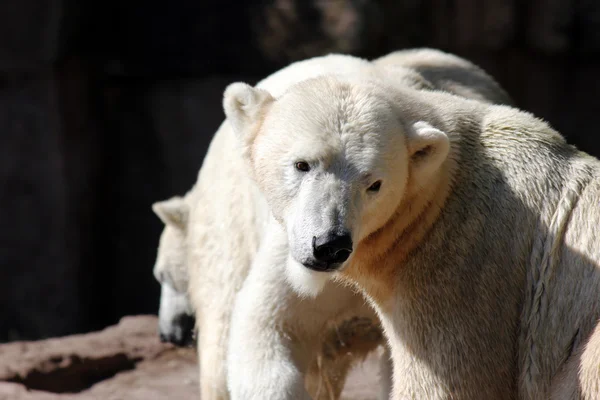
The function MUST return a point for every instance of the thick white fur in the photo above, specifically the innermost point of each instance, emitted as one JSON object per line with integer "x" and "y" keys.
{"x": 480, "y": 251}
{"x": 228, "y": 222}
{"x": 214, "y": 232}
{"x": 274, "y": 331}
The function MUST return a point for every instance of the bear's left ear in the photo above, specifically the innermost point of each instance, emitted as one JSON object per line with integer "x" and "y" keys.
{"x": 173, "y": 212}
{"x": 243, "y": 106}
{"x": 428, "y": 148}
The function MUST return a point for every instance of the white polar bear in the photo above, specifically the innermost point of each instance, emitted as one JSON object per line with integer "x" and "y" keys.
{"x": 440, "y": 70}
{"x": 471, "y": 228}
{"x": 260, "y": 346}
{"x": 227, "y": 221}
{"x": 224, "y": 236}
{"x": 176, "y": 317}
{"x": 342, "y": 346}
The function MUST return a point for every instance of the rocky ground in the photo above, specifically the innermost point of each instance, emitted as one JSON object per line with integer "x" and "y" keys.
{"x": 121, "y": 362}
{"x": 108, "y": 106}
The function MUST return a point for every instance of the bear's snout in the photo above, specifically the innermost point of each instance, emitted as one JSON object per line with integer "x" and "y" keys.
{"x": 331, "y": 249}
{"x": 182, "y": 331}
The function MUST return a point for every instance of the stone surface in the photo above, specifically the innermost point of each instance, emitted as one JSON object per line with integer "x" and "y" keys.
{"x": 122, "y": 362}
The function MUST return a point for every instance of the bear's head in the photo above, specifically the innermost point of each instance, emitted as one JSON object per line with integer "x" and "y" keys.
{"x": 334, "y": 157}
{"x": 176, "y": 316}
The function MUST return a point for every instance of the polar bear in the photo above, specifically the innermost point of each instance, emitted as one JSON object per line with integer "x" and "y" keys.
{"x": 224, "y": 237}
{"x": 470, "y": 227}
{"x": 227, "y": 223}
{"x": 342, "y": 346}
{"x": 176, "y": 318}
{"x": 432, "y": 63}
{"x": 441, "y": 71}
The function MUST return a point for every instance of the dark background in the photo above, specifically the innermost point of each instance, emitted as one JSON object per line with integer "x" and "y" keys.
{"x": 108, "y": 106}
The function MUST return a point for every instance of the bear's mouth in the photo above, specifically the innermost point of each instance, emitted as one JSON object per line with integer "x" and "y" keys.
{"x": 321, "y": 266}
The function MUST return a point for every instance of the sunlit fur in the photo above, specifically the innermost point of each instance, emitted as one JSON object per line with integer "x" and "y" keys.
{"x": 483, "y": 262}
{"x": 348, "y": 126}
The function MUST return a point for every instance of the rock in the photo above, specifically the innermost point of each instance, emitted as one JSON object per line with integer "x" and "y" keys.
{"x": 291, "y": 30}
{"x": 152, "y": 38}
{"x": 74, "y": 363}
{"x": 109, "y": 106}
{"x": 122, "y": 362}
{"x": 126, "y": 361}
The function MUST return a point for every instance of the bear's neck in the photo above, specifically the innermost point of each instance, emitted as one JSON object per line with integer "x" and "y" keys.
{"x": 375, "y": 264}
{"x": 376, "y": 260}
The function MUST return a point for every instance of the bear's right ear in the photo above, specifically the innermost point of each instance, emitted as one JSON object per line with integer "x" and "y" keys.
{"x": 428, "y": 148}
{"x": 173, "y": 212}
{"x": 243, "y": 106}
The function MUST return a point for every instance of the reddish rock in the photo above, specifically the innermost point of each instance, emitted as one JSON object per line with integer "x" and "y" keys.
{"x": 122, "y": 362}
{"x": 109, "y": 106}
{"x": 74, "y": 363}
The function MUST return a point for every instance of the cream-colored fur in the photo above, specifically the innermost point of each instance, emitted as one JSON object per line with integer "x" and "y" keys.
{"x": 266, "y": 356}
{"x": 480, "y": 250}
{"x": 229, "y": 217}
{"x": 171, "y": 265}
{"x": 214, "y": 231}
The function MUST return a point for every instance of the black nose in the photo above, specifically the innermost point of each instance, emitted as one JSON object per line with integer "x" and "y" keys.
{"x": 182, "y": 333}
{"x": 332, "y": 248}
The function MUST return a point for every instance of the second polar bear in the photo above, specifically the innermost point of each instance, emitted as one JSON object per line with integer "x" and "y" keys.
{"x": 176, "y": 319}
{"x": 470, "y": 227}
{"x": 226, "y": 225}
{"x": 226, "y": 235}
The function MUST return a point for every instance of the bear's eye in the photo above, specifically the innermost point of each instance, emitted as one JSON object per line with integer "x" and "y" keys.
{"x": 374, "y": 187}
{"x": 302, "y": 166}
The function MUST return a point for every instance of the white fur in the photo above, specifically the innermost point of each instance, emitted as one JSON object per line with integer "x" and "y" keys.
{"x": 479, "y": 251}
{"x": 173, "y": 304}
{"x": 333, "y": 194}
{"x": 228, "y": 220}
{"x": 305, "y": 282}
{"x": 267, "y": 360}
{"x": 273, "y": 329}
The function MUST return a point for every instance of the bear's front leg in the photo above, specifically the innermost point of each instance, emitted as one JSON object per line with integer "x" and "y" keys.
{"x": 212, "y": 349}
{"x": 268, "y": 350}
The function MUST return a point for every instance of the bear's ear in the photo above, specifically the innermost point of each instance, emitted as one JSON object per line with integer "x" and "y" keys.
{"x": 243, "y": 106}
{"x": 428, "y": 148}
{"x": 173, "y": 212}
